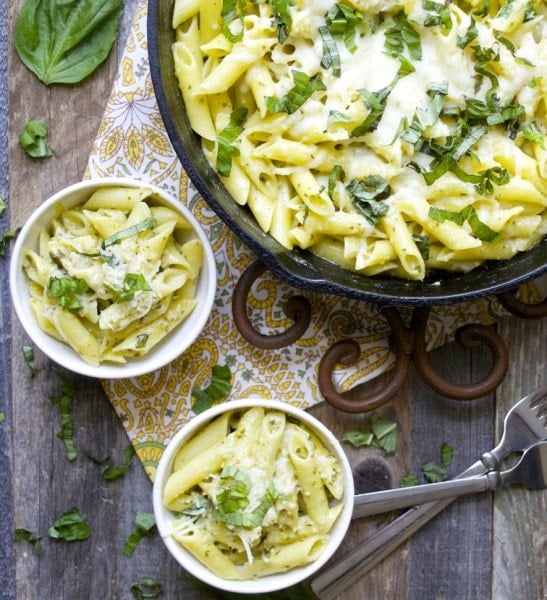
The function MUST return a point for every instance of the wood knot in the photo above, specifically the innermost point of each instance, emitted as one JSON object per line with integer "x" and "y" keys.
{"x": 372, "y": 475}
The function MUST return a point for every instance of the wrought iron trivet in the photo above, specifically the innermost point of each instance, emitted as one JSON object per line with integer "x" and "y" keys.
{"x": 407, "y": 342}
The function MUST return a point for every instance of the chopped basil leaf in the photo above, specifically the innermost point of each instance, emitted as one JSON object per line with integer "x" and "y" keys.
{"x": 376, "y": 103}
{"x": 357, "y": 438}
{"x": 401, "y": 33}
{"x": 28, "y": 355}
{"x": 367, "y": 195}
{"x": 64, "y": 402}
{"x": 470, "y": 35}
{"x": 233, "y": 500}
{"x": 531, "y": 132}
{"x": 66, "y": 290}
{"x": 219, "y": 387}
{"x": 439, "y": 15}
{"x": 227, "y": 140}
{"x": 341, "y": 22}
{"x": 469, "y": 214}
{"x": 110, "y": 472}
{"x": 70, "y": 526}
{"x": 480, "y": 229}
{"x": 422, "y": 243}
{"x": 142, "y": 338}
{"x": 198, "y": 508}
{"x": 146, "y": 524}
{"x": 447, "y": 454}
{"x": 147, "y": 587}
{"x": 337, "y": 174}
{"x": 132, "y": 283}
{"x": 337, "y": 117}
{"x": 426, "y": 117}
{"x": 135, "y": 229}
{"x": 409, "y": 481}
{"x": 406, "y": 66}
{"x": 5, "y": 238}
{"x": 33, "y": 139}
{"x": 232, "y": 19}
{"x": 434, "y": 472}
{"x": 2, "y": 417}
{"x": 235, "y": 496}
{"x": 331, "y": 56}
{"x": 382, "y": 434}
{"x": 385, "y": 433}
{"x": 440, "y": 215}
{"x": 282, "y": 17}
{"x": 21, "y": 534}
{"x": 304, "y": 87}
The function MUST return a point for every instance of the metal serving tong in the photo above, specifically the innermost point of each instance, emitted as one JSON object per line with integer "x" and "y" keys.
{"x": 530, "y": 471}
{"x": 525, "y": 425}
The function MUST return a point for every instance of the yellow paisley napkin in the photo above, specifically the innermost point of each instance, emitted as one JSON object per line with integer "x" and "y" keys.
{"x": 132, "y": 142}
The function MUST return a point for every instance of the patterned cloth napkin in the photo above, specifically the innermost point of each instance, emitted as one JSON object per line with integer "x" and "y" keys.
{"x": 132, "y": 142}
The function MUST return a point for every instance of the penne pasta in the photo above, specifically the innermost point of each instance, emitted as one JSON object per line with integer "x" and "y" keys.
{"x": 253, "y": 493}
{"x": 452, "y": 121}
{"x": 113, "y": 277}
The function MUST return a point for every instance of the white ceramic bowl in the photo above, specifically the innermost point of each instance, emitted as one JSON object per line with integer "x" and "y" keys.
{"x": 178, "y": 340}
{"x": 268, "y": 583}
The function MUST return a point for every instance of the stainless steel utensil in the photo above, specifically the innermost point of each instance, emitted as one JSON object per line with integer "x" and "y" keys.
{"x": 530, "y": 471}
{"x": 525, "y": 424}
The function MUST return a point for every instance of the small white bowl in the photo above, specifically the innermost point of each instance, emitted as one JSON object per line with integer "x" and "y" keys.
{"x": 267, "y": 583}
{"x": 176, "y": 342}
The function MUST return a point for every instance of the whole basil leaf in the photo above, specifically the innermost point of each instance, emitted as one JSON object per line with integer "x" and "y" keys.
{"x": 64, "y": 41}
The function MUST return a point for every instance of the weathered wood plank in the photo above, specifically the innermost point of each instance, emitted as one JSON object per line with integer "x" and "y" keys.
{"x": 520, "y": 525}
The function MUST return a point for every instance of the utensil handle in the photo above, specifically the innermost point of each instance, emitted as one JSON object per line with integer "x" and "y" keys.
{"x": 335, "y": 579}
{"x": 374, "y": 503}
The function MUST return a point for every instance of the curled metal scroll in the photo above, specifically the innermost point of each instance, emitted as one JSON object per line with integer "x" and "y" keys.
{"x": 297, "y": 308}
{"x": 407, "y": 343}
{"x": 347, "y": 352}
{"x": 521, "y": 309}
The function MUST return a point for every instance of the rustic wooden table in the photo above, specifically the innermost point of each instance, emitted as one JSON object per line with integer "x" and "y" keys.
{"x": 480, "y": 548}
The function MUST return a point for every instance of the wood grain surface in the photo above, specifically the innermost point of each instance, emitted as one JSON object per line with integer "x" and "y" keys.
{"x": 483, "y": 547}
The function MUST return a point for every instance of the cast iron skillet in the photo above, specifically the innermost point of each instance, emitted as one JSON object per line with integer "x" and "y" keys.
{"x": 300, "y": 268}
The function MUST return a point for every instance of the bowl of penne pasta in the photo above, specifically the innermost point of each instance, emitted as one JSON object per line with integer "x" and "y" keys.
{"x": 112, "y": 277}
{"x": 391, "y": 154}
{"x": 253, "y": 495}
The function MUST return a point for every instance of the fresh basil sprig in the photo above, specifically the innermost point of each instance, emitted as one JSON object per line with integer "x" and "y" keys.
{"x": 64, "y": 42}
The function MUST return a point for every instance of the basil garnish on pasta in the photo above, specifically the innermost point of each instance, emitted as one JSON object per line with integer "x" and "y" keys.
{"x": 442, "y": 100}
{"x": 135, "y": 229}
{"x": 304, "y": 87}
{"x": 132, "y": 283}
{"x": 367, "y": 195}
{"x": 67, "y": 291}
{"x": 228, "y": 141}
